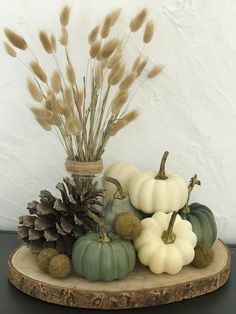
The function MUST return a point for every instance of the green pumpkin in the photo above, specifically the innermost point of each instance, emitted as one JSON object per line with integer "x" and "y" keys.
{"x": 203, "y": 223}
{"x": 119, "y": 203}
{"x": 99, "y": 258}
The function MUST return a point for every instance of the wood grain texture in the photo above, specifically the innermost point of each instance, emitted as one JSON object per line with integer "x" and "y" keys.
{"x": 141, "y": 288}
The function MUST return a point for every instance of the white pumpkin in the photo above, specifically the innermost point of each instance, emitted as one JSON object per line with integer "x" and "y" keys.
{"x": 152, "y": 192}
{"x": 162, "y": 257}
{"x": 121, "y": 171}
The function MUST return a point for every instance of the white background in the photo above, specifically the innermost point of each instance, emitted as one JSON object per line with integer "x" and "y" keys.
{"x": 190, "y": 109}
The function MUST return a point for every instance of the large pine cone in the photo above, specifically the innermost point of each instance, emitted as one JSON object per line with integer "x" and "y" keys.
{"x": 55, "y": 222}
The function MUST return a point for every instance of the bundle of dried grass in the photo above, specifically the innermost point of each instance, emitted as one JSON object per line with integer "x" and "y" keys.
{"x": 86, "y": 113}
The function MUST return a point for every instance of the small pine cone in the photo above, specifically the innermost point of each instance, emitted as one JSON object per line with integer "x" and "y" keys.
{"x": 56, "y": 223}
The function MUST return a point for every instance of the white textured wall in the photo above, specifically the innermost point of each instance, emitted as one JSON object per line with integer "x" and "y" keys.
{"x": 189, "y": 110}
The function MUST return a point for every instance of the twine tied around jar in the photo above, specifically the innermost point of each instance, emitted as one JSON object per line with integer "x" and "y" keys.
{"x": 84, "y": 168}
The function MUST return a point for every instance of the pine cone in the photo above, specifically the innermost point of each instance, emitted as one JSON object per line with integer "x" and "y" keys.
{"x": 56, "y": 223}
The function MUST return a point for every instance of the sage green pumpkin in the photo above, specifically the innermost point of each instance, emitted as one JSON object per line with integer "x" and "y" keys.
{"x": 203, "y": 223}
{"x": 119, "y": 203}
{"x": 102, "y": 261}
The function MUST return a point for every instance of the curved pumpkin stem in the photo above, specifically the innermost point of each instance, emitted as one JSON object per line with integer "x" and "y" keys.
{"x": 119, "y": 194}
{"x": 193, "y": 181}
{"x": 104, "y": 236}
{"x": 161, "y": 174}
{"x": 168, "y": 236}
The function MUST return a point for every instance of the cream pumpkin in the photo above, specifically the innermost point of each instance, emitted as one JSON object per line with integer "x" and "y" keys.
{"x": 152, "y": 192}
{"x": 121, "y": 171}
{"x": 162, "y": 253}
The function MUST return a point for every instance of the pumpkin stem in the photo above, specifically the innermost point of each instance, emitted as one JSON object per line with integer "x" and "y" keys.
{"x": 161, "y": 174}
{"x": 168, "y": 236}
{"x": 119, "y": 194}
{"x": 193, "y": 181}
{"x": 104, "y": 237}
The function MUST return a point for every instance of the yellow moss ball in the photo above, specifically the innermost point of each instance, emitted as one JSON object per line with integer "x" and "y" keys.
{"x": 204, "y": 256}
{"x": 127, "y": 226}
{"x": 60, "y": 266}
{"x": 44, "y": 257}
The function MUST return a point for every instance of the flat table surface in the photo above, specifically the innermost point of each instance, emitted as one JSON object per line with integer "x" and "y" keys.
{"x": 12, "y": 301}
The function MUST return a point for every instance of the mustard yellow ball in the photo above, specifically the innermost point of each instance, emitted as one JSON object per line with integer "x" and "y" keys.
{"x": 60, "y": 266}
{"x": 44, "y": 257}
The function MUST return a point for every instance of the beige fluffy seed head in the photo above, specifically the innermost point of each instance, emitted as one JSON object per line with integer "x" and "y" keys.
{"x": 116, "y": 74}
{"x": 68, "y": 96}
{"x": 136, "y": 64}
{"x": 114, "y": 59}
{"x": 42, "y": 113}
{"x": 9, "y": 50}
{"x": 64, "y": 36}
{"x": 46, "y": 43}
{"x": 65, "y": 15}
{"x": 126, "y": 119}
{"x": 113, "y": 15}
{"x": 44, "y": 124}
{"x": 155, "y": 71}
{"x": 15, "y": 39}
{"x": 119, "y": 100}
{"x": 54, "y": 43}
{"x": 73, "y": 125}
{"x": 99, "y": 76}
{"x": 80, "y": 98}
{"x": 56, "y": 81}
{"x": 95, "y": 49}
{"x": 93, "y": 34}
{"x": 109, "y": 47}
{"x": 128, "y": 81}
{"x": 106, "y": 27}
{"x": 34, "y": 91}
{"x": 138, "y": 20}
{"x": 38, "y": 71}
{"x": 141, "y": 66}
{"x": 148, "y": 32}
{"x": 70, "y": 73}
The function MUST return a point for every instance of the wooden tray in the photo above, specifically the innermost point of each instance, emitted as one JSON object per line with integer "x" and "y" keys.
{"x": 141, "y": 288}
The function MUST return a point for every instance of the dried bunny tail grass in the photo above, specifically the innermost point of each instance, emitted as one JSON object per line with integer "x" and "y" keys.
{"x": 54, "y": 43}
{"x": 15, "y": 39}
{"x": 55, "y": 120}
{"x": 70, "y": 73}
{"x": 155, "y": 71}
{"x": 95, "y": 49}
{"x": 64, "y": 36}
{"x": 106, "y": 27}
{"x": 119, "y": 100}
{"x": 46, "y": 43}
{"x": 141, "y": 66}
{"x": 99, "y": 76}
{"x": 109, "y": 47}
{"x": 34, "y": 91}
{"x": 138, "y": 20}
{"x": 136, "y": 64}
{"x": 65, "y": 15}
{"x": 42, "y": 113}
{"x": 9, "y": 50}
{"x": 126, "y": 119}
{"x": 44, "y": 124}
{"x": 116, "y": 74}
{"x": 148, "y": 32}
{"x": 73, "y": 125}
{"x": 93, "y": 34}
{"x": 56, "y": 81}
{"x": 128, "y": 81}
{"x": 113, "y": 15}
{"x": 80, "y": 98}
{"x": 68, "y": 96}
{"x": 114, "y": 59}
{"x": 38, "y": 71}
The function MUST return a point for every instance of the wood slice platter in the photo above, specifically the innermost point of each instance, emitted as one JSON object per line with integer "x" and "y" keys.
{"x": 140, "y": 288}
